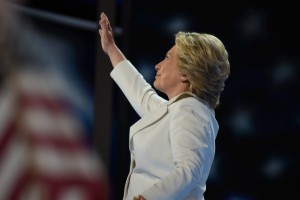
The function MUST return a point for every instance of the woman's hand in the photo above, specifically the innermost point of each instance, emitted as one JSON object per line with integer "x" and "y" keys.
{"x": 140, "y": 197}
{"x": 107, "y": 41}
{"x": 106, "y": 33}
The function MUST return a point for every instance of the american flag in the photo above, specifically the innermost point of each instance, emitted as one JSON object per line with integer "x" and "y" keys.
{"x": 44, "y": 154}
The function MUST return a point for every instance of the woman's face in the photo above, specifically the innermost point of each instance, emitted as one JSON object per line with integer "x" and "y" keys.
{"x": 167, "y": 79}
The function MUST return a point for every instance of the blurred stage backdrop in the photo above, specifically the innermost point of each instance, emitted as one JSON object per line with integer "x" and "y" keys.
{"x": 257, "y": 148}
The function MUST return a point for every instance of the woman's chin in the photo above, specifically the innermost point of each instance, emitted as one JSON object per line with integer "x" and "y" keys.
{"x": 156, "y": 85}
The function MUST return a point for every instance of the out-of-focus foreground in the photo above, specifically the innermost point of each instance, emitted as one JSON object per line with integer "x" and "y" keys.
{"x": 45, "y": 153}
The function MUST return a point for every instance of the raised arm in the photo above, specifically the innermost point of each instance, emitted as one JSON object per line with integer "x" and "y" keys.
{"x": 107, "y": 41}
{"x": 140, "y": 94}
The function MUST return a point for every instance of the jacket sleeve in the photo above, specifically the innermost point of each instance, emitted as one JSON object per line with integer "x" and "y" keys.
{"x": 139, "y": 93}
{"x": 192, "y": 146}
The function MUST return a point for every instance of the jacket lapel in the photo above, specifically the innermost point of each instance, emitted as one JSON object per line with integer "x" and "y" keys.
{"x": 145, "y": 122}
{"x": 148, "y": 120}
{"x": 154, "y": 117}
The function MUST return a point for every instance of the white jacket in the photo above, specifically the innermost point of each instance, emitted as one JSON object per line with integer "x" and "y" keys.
{"x": 172, "y": 146}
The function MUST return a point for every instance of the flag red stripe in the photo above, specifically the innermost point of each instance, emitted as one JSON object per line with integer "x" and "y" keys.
{"x": 96, "y": 189}
{"x": 70, "y": 144}
{"x": 7, "y": 135}
{"x": 55, "y": 105}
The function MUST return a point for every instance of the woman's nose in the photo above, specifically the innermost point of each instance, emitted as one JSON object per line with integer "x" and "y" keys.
{"x": 157, "y": 67}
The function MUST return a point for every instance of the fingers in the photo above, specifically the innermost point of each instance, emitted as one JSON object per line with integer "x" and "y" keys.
{"x": 102, "y": 21}
{"x": 139, "y": 197}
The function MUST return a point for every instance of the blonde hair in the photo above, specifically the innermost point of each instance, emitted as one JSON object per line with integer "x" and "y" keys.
{"x": 204, "y": 60}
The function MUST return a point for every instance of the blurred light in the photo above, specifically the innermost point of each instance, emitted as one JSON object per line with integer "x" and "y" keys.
{"x": 242, "y": 122}
{"x": 62, "y": 19}
{"x": 253, "y": 25}
{"x": 273, "y": 167}
{"x": 176, "y": 24}
{"x": 283, "y": 72}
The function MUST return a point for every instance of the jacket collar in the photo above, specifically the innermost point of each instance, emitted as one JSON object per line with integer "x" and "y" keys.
{"x": 158, "y": 114}
{"x": 182, "y": 96}
{"x": 155, "y": 116}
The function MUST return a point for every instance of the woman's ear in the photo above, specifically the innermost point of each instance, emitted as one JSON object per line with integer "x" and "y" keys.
{"x": 183, "y": 77}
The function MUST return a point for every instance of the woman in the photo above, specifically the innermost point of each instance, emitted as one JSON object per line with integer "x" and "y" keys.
{"x": 172, "y": 146}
